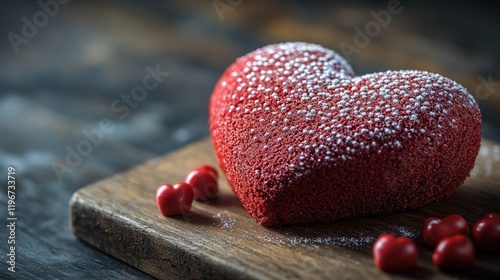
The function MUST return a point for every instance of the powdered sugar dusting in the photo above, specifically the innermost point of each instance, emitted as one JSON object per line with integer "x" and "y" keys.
{"x": 308, "y": 236}
{"x": 347, "y": 114}
{"x": 490, "y": 156}
{"x": 355, "y": 241}
{"x": 292, "y": 241}
{"x": 410, "y": 233}
{"x": 225, "y": 221}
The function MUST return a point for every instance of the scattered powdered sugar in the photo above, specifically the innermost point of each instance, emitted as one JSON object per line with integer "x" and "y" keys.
{"x": 307, "y": 237}
{"x": 356, "y": 241}
{"x": 225, "y": 222}
{"x": 351, "y": 242}
{"x": 489, "y": 156}
{"x": 410, "y": 233}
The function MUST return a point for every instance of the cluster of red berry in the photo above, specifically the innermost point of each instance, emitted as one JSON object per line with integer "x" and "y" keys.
{"x": 200, "y": 184}
{"x": 454, "y": 250}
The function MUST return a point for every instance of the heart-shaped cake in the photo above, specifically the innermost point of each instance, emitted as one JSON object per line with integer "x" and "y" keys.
{"x": 301, "y": 139}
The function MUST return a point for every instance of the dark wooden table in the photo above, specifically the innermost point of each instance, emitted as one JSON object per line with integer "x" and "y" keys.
{"x": 66, "y": 77}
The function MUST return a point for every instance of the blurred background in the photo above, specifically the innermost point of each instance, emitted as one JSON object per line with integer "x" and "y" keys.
{"x": 66, "y": 67}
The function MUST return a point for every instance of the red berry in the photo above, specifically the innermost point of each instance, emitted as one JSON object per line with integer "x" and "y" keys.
{"x": 204, "y": 184}
{"x": 210, "y": 169}
{"x": 394, "y": 253}
{"x": 454, "y": 253}
{"x": 486, "y": 232}
{"x": 174, "y": 200}
{"x": 435, "y": 229}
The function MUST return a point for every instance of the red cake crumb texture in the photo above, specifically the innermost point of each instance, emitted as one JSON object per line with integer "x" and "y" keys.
{"x": 301, "y": 139}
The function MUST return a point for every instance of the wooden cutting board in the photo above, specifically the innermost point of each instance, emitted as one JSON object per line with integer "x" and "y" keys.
{"x": 219, "y": 239}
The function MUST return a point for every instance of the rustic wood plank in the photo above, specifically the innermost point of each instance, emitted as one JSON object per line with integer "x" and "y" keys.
{"x": 219, "y": 239}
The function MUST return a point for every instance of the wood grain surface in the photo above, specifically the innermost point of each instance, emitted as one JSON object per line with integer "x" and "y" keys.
{"x": 219, "y": 239}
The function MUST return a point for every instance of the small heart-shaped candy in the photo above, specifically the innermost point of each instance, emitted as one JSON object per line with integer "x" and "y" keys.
{"x": 486, "y": 232}
{"x": 435, "y": 229}
{"x": 301, "y": 139}
{"x": 394, "y": 253}
{"x": 174, "y": 200}
{"x": 455, "y": 253}
{"x": 210, "y": 169}
{"x": 204, "y": 182}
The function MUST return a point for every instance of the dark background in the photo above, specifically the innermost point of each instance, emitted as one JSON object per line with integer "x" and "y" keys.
{"x": 66, "y": 77}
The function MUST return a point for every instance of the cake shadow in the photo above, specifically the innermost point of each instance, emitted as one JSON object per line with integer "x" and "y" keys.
{"x": 360, "y": 233}
{"x": 197, "y": 217}
{"x": 224, "y": 200}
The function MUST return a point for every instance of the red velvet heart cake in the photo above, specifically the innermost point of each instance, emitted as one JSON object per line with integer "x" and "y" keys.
{"x": 301, "y": 139}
